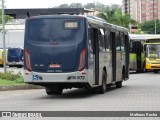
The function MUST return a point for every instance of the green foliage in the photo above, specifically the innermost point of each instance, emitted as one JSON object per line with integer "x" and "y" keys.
{"x": 94, "y": 5}
{"x": 8, "y": 82}
{"x": 10, "y": 75}
{"x": 19, "y": 80}
{"x": 76, "y": 5}
{"x": 7, "y": 17}
{"x": 115, "y": 16}
{"x": 64, "y": 6}
{"x": 108, "y": 15}
{"x": 149, "y": 27}
{"x": 139, "y": 31}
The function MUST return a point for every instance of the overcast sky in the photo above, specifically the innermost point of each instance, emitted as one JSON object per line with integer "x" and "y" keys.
{"x": 51, "y": 3}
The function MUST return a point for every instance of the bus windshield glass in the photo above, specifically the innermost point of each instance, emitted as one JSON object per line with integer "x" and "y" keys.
{"x": 60, "y": 30}
{"x": 153, "y": 50}
{"x": 14, "y": 51}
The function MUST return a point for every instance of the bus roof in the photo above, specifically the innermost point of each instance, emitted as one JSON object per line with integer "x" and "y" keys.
{"x": 143, "y": 36}
{"x": 91, "y": 19}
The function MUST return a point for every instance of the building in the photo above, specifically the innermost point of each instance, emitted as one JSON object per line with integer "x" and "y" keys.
{"x": 142, "y": 10}
{"x": 126, "y": 6}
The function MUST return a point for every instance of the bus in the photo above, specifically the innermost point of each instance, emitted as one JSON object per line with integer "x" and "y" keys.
{"x": 15, "y": 57}
{"x": 66, "y": 51}
{"x": 1, "y": 57}
{"x": 145, "y": 52}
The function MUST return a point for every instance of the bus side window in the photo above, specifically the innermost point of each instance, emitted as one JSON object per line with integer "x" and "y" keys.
{"x": 90, "y": 39}
{"x": 101, "y": 40}
{"x": 122, "y": 41}
{"x": 118, "y": 42}
{"x": 107, "y": 41}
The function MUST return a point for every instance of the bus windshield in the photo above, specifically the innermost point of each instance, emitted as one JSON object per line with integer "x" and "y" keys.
{"x": 153, "y": 50}
{"x": 14, "y": 51}
{"x": 48, "y": 30}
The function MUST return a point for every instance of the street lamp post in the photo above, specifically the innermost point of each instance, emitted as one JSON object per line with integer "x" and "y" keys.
{"x": 3, "y": 35}
{"x": 154, "y": 17}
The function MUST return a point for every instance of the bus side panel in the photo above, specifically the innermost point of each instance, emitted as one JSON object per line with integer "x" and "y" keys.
{"x": 1, "y": 58}
{"x": 109, "y": 67}
{"x": 127, "y": 57}
{"x": 119, "y": 66}
{"x": 133, "y": 61}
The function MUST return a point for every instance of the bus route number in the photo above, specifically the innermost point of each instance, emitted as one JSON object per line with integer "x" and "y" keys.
{"x": 76, "y": 77}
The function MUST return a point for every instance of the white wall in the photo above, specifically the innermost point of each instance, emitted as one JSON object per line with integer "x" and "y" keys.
{"x": 13, "y": 38}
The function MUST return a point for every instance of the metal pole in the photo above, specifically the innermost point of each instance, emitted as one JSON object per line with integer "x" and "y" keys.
{"x": 3, "y": 31}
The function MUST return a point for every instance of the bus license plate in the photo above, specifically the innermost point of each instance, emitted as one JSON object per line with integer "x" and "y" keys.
{"x": 54, "y": 65}
{"x": 157, "y": 66}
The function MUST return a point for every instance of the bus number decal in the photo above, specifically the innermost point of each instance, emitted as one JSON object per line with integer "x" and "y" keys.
{"x": 76, "y": 77}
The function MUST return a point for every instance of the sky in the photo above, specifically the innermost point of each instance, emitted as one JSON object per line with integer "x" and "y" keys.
{"x": 51, "y": 3}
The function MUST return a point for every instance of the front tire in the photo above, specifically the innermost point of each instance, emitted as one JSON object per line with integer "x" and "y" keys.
{"x": 119, "y": 84}
{"x": 103, "y": 88}
{"x": 155, "y": 71}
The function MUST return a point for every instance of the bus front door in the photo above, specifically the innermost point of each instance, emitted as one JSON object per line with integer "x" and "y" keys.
{"x": 95, "y": 45}
{"x": 113, "y": 39}
{"x": 138, "y": 55}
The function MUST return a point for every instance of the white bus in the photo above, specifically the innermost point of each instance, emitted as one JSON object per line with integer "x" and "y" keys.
{"x": 65, "y": 51}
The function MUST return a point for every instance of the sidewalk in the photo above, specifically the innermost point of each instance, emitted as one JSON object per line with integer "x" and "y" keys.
{"x": 19, "y": 87}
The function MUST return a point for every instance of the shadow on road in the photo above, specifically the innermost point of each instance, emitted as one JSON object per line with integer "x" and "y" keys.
{"x": 134, "y": 72}
{"x": 78, "y": 93}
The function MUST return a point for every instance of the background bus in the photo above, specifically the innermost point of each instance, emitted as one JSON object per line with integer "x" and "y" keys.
{"x": 145, "y": 53}
{"x": 1, "y": 57}
{"x": 66, "y": 51}
{"x": 15, "y": 57}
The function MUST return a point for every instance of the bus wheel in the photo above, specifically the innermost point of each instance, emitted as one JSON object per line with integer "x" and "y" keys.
{"x": 102, "y": 88}
{"x": 20, "y": 66}
{"x": 144, "y": 69}
{"x": 119, "y": 84}
{"x": 52, "y": 91}
{"x": 155, "y": 71}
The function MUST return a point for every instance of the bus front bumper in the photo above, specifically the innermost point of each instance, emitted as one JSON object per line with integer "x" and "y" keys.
{"x": 15, "y": 63}
{"x": 152, "y": 66}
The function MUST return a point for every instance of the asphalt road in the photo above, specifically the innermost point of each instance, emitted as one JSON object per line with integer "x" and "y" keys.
{"x": 140, "y": 93}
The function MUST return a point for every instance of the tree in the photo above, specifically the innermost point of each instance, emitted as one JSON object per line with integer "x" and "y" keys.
{"x": 90, "y": 5}
{"x": 149, "y": 27}
{"x": 123, "y": 20}
{"x": 108, "y": 15}
{"x": 7, "y": 17}
{"x": 99, "y": 6}
{"x": 115, "y": 16}
{"x": 64, "y": 6}
{"x": 76, "y": 5}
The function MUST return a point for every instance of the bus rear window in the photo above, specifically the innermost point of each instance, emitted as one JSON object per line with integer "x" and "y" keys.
{"x": 71, "y": 25}
{"x": 47, "y": 30}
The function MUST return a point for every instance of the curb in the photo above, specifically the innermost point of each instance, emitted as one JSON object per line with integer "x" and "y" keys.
{"x": 20, "y": 87}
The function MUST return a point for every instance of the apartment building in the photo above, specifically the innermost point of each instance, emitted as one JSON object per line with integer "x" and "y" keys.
{"x": 142, "y": 10}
